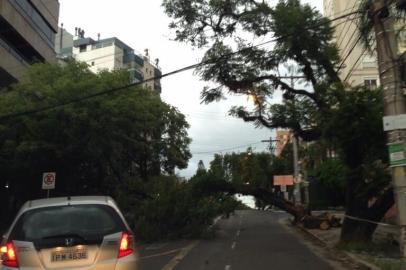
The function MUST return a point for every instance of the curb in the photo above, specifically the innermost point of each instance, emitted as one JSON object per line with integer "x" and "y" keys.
{"x": 347, "y": 254}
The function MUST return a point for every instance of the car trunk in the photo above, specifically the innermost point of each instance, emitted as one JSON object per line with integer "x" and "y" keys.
{"x": 101, "y": 256}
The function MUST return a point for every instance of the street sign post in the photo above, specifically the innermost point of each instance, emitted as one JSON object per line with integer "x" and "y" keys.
{"x": 283, "y": 188}
{"x": 283, "y": 181}
{"x": 48, "y": 181}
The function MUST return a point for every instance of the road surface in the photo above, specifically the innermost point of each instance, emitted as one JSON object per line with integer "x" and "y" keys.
{"x": 248, "y": 240}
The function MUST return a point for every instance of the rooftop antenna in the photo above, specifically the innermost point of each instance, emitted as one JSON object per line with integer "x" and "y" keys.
{"x": 76, "y": 31}
{"x": 146, "y": 52}
{"x": 157, "y": 62}
{"x": 98, "y": 36}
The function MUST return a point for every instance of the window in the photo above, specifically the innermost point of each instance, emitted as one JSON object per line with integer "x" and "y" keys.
{"x": 92, "y": 63}
{"x": 89, "y": 221}
{"x": 371, "y": 83}
{"x": 82, "y": 48}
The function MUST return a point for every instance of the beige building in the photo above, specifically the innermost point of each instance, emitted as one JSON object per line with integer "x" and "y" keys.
{"x": 359, "y": 67}
{"x": 27, "y": 35}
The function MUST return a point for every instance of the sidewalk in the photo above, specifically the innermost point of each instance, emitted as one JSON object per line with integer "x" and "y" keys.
{"x": 383, "y": 253}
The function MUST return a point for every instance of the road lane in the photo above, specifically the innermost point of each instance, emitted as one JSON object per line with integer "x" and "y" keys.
{"x": 252, "y": 240}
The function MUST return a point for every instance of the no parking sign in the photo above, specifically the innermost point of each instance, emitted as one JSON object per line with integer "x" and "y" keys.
{"x": 48, "y": 180}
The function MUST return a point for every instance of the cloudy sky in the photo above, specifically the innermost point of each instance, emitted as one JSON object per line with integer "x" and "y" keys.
{"x": 143, "y": 24}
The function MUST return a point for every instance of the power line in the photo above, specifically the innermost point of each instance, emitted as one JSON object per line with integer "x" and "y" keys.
{"x": 349, "y": 40}
{"x": 347, "y": 29}
{"x": 226, "y": 149}
{"x": 354, "y": 66}
{"x": 349, "y": 53}
{"x": 193, "y": 66}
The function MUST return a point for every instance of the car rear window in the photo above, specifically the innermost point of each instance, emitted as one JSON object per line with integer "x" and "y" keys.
{"x": 87, "y": 221}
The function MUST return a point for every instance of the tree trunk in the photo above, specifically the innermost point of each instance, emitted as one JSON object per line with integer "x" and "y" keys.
{"x": 361, "y": 231}
{"x": 297, "y": 211}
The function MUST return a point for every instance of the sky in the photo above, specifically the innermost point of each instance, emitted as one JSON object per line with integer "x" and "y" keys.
{"x": 142, "y": 25}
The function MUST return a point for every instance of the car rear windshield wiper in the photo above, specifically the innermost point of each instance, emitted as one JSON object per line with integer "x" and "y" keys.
{"x": 65, "y": 235}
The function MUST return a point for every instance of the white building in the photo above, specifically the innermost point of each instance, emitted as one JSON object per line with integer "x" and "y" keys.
{"x": 110, "y": 54}
{"x": 359, "y": 67}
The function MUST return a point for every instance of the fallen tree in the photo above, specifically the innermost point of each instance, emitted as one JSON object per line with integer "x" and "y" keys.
{"x": 350, "y": 122}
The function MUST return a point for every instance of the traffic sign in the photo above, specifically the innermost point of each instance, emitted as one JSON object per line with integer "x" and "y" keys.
{"x": 48, "y": 180}
{"x": 397, "y": 154}
{"x": 279, "y": 180}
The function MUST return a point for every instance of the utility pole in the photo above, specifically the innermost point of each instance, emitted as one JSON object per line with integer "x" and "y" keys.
{"x": 297, "y": 198}
{"x": 395, "y": 109}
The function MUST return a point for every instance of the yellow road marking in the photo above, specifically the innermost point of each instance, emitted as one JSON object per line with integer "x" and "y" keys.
{"x": 182, "y": 254}
{"x": 161, "y": 254}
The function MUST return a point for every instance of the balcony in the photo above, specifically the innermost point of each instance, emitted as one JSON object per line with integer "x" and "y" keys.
{"x": 136, "y": 75}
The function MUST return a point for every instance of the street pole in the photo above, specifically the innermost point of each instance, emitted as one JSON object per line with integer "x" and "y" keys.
{"x": 296, "y": 189}
{"x": 394, "y": 105}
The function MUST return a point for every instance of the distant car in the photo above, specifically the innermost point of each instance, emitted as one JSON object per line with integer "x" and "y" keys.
{"x": 88, "y": 233}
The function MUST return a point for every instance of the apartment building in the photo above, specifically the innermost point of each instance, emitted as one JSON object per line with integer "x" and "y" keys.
{"x": 359, "y": 67}
{"x": 108, "y": 54}
{"x": 27, "y": 36}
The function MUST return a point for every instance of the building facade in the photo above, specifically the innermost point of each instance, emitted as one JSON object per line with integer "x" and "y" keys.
{"x": 108, "y": 54}
{"x": 358, "y": 66}
{"x": 27, "y": 36}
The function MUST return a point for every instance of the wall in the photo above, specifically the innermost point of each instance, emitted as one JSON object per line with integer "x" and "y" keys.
{"x": 359, "y": 65}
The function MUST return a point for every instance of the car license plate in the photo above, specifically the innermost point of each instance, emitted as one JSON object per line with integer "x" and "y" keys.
{"x": 69, "y": 255}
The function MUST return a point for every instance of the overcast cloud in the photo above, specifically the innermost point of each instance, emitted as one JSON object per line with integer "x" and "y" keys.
{"x": 143, "y": 24}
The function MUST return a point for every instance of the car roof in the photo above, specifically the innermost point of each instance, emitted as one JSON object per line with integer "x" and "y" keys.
{"x": 106, "y": 200}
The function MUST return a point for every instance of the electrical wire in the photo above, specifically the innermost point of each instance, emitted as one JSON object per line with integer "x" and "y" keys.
{"x": 355, "y": 64}
{"x": 349, "y": 53}
{"x": 344, "y": 27}
{"x": 226, "y": 149}
{"x": 113, "y": 90}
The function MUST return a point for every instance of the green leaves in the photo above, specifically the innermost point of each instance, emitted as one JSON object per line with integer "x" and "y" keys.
{"x": 88, "y": 143}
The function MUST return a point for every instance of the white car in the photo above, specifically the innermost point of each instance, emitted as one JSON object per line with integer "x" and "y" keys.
{"x": 88, "y": 233}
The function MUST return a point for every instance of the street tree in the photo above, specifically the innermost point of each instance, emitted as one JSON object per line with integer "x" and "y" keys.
{"x": 320, "y": 109}
{"x": 92, "y": 145}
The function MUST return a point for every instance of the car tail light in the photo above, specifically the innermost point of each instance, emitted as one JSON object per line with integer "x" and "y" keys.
{"x": 126, "y": 245}
{"x": 9, "y": 255}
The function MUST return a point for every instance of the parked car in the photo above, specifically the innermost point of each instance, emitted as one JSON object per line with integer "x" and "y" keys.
{"x": 69, "y": 233}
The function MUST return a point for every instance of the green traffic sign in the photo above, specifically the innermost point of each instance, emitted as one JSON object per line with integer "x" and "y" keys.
{"x": 397, "y": 154}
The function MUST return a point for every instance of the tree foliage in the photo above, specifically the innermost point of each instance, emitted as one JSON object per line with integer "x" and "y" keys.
{"x": 92, "y": 144}
{"x": 322, "y": 108}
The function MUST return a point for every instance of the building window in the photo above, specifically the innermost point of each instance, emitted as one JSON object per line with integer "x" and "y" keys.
{"x": 92, "y": 63}
{"x": 371, "y": 83}
{"x": 82, "y": 48}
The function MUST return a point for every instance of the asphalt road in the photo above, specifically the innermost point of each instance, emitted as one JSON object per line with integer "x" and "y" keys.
{"x": 248, "y": 240}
